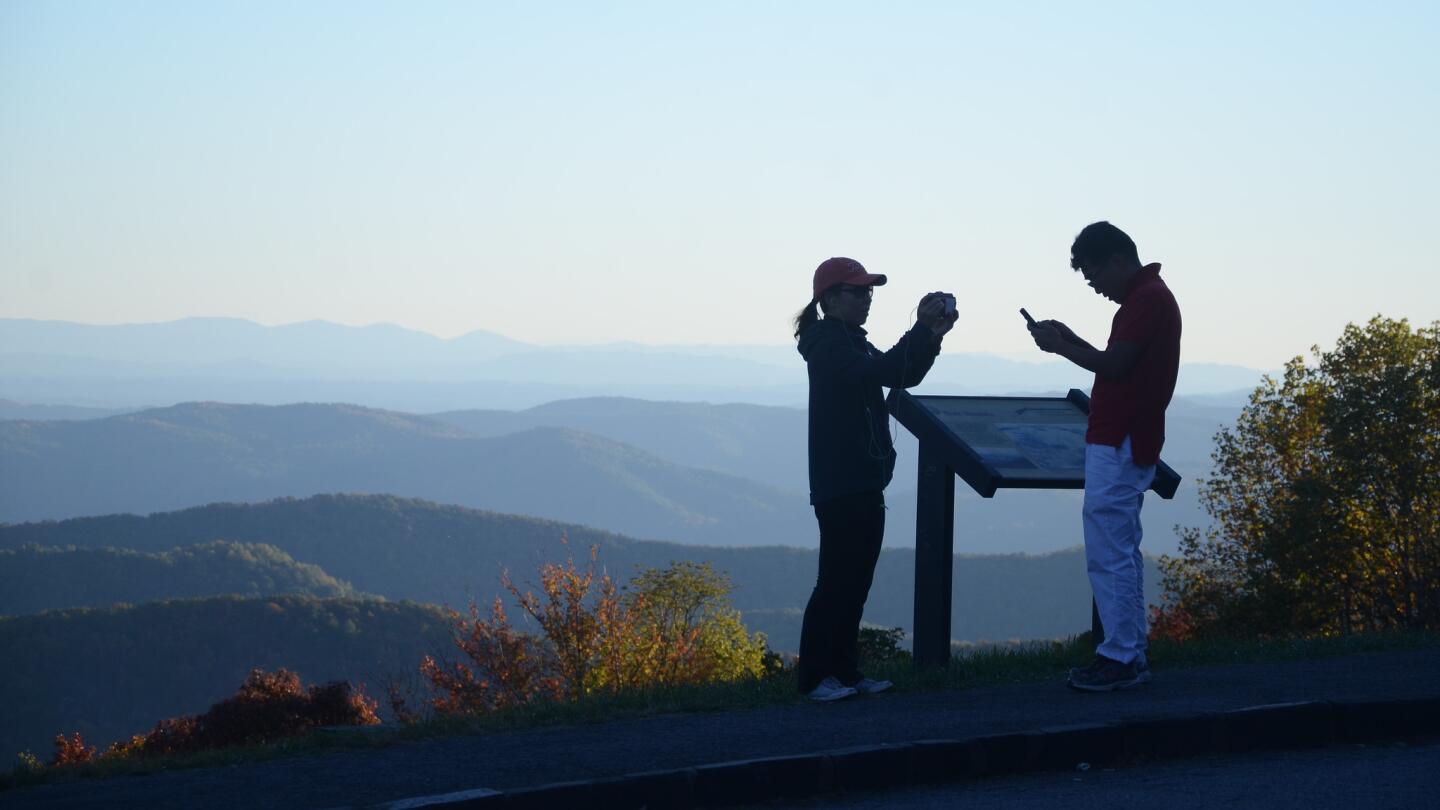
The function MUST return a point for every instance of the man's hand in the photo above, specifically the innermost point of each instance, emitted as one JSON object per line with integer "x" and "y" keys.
{"x": 931, "y": 313}
{"x": 1053, "y": 330}
{"x": 1047, "y": 337}
{"x": 1114, "y": 363}
{"x": 1065, "y": 332}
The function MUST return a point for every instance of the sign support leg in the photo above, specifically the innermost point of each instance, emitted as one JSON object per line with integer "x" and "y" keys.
{"x": 934, "y": 559}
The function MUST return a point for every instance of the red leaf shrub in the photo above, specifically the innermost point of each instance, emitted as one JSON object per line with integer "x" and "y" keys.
{"x": 71, "y": 750}
{"x": 269, "y": 706}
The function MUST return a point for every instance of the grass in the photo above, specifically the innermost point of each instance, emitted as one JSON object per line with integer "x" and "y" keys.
{"x": 970, "y": 668}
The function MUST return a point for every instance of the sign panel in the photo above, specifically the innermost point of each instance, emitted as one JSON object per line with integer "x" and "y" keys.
{"x": 1020, "y": 437}
{"x": 1018, "y": 442}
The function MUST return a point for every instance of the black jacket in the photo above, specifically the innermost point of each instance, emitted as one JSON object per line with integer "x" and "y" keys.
{"x": 850, "y": 446}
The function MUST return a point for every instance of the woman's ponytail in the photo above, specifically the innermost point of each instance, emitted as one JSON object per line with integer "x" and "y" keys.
{"x": 807, "y": 317}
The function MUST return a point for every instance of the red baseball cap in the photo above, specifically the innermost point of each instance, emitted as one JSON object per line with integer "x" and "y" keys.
{"x": 841, "y": 270}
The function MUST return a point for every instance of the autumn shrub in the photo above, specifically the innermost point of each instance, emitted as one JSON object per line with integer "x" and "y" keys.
{"x": 685, "y": 620}
{"x": 402, "y": 691}
{"x": 590, "y": 638}
{"x": 72, "y": 749}
{"x": 502, "y": 667}
{"x": 1173, "y": 622}
{"x": 667, "y": 627}
{"x": 269, "y": 706}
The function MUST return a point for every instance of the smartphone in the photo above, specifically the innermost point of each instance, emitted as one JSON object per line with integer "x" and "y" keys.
{"x": 1028, "y": 319}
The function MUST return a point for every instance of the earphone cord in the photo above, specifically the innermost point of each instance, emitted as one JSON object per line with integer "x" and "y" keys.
{"x": 904, "y": 372}
{"x": 874, "y": 450}
{"x": 872, "y": 447}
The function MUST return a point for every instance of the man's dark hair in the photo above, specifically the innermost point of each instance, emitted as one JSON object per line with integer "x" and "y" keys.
{"x": 1098, "y": 242}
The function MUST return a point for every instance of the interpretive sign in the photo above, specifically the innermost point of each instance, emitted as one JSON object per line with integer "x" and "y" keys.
{"x": 992, "y": 443}
{"x": 998, "y": 442}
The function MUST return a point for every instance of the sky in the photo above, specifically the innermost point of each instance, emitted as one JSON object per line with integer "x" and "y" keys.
{"x": 671, "y": 173}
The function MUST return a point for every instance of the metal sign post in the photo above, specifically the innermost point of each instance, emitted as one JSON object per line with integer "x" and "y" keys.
{"x": 992, "y": 443}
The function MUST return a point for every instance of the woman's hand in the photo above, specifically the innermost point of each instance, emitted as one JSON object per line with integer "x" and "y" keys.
{"x": 931, "y": 313}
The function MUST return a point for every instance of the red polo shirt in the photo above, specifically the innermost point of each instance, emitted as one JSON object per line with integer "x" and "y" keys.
{"x": 1135, "y": 405}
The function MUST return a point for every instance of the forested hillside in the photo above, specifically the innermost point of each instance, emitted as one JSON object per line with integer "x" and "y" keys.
{"x": 33, "y": 579}
{"x": 409, "y": 549}
{"x": 112, "y": 672}
{"x": 399, "y": 548}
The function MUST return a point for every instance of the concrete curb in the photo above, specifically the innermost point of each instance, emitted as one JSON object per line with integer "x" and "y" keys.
{"x": 1313, "y": 724}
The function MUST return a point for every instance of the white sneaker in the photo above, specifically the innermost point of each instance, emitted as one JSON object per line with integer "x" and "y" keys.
{"x": 868, "y": 686}
{"x": 830, "y": 689}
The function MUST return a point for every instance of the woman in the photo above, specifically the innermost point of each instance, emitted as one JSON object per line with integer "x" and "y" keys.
{"x": 851, "y": 459}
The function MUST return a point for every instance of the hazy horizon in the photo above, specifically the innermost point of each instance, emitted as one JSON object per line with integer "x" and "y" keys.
{"x": 1028, "y": 357}
{"x": 62, "y": 363}
{"x": 566, "y": 173}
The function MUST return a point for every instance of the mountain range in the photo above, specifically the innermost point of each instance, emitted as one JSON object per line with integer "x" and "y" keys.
{"x": 385, "y": 366}
{"x": 688, "y": 472}
{"x": 200, "y": 453}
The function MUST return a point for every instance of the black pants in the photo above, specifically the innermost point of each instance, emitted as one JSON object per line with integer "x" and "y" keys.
{"x": 851, "y": 530}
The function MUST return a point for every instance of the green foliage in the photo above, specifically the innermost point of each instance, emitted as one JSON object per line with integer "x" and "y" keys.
{"x": 880, "y": 645}
{"x": 686, "y": 606}
{"x": 29, "y": 764}
{"x": 1326, "y": 499}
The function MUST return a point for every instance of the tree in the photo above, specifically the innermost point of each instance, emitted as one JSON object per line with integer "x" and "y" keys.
{"x": 1326, "y": 499}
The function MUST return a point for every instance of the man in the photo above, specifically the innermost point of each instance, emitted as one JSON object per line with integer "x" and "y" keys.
{"x": 1134, "y": 380}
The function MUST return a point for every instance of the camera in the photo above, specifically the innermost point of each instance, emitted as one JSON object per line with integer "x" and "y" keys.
{"x": 947, "y": 299}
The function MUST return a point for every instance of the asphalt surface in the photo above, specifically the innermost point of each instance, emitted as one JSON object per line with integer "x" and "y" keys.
{"x": 513, "y": 760}
{"x": 1341, "y": 778}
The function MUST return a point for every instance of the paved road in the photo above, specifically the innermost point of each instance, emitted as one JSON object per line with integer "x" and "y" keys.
{"x": 1389, "y": 776}
{"x": 540, "y": 756}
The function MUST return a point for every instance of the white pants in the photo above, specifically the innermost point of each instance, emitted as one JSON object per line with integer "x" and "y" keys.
{"x": 1114, "y": 491}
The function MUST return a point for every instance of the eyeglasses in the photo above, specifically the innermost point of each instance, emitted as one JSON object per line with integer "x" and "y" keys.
{"x": 859, "y": 292}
